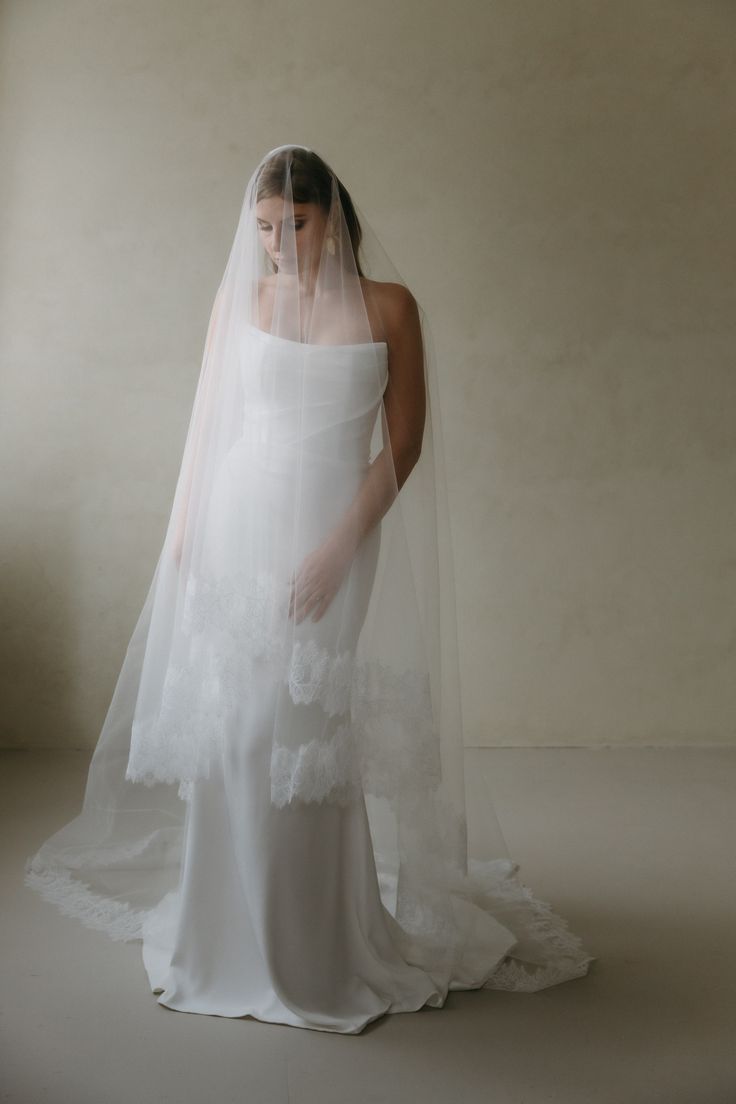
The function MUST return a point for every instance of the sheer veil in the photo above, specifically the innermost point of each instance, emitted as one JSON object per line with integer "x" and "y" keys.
{"x": 302, "y": 391}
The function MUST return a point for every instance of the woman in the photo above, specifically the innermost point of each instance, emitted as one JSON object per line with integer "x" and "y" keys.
{"x": 276, "y": 804}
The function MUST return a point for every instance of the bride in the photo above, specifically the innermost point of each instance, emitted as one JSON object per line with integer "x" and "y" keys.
{"x": 276, "y": 806}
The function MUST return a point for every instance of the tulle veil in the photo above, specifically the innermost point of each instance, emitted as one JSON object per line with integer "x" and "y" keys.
{"x": 369, "y": 693}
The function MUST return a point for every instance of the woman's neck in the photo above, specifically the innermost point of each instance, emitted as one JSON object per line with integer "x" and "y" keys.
{"x": 307, "y": 281}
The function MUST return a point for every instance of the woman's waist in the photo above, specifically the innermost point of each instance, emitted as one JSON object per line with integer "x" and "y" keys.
{"x": 329, "y": 448}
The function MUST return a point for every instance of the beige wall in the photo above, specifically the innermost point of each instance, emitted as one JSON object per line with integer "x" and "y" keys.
{"x": 555, "y": 182}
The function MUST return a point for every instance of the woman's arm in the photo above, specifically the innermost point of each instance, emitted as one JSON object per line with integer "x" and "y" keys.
{"x": 322, "y": 571}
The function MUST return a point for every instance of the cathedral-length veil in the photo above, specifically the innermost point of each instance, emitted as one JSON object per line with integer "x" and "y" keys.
{"x": 288, "y": 447}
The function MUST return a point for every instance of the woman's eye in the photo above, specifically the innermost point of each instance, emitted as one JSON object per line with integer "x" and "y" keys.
{"x": 296, "y": 225}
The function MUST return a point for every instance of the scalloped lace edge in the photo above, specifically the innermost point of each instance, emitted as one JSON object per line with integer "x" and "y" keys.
{"x": 540, "y": 923}
{"x": 123, "y": 923}
{"x": 76, "y": 899}
{"x": 361, "y": 749}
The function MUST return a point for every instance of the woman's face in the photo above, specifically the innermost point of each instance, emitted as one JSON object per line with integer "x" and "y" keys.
{"x": 283, "y": 232}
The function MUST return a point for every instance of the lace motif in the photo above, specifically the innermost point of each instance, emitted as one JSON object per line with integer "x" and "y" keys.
{"x": 386, "y": 742}
{"x": 75, "y": 898}
{"x": 533, "y": 921}
{"x": 433, "y": 877}
{"x": 316, "y": 770}
{"x": 424, "y": 934}
{"x": 240, "y": 608}
{"x": 230, "y": 643}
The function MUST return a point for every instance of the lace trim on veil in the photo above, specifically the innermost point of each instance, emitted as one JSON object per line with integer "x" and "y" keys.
{"x": 385, "y": 739}
{"x": 527, "y": 916}
{"x": 76, "y": 899}
{"x": 380, "y": 738}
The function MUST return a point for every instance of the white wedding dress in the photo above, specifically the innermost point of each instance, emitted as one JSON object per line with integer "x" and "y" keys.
{"x": 249, "y": 903}
{"x": 283, "y": 913}
{"x": 278, "y": 913}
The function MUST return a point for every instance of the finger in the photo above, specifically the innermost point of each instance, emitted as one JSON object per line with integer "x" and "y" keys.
{"x": 296, "y": 604}
{"x": 298, "y": 580}
{"x": 307, "y": 605}
{"x": 304, "y": 610}
{"x": 321, "y": 608}
{"x": 292, "y": 593}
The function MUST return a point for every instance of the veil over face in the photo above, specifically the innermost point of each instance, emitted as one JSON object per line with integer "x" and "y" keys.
{"x": 269, "y": 587}
{"x": 269, "y": 571}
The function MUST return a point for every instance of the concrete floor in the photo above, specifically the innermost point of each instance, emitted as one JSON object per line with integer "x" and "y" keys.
{"x": 635, "y": 847}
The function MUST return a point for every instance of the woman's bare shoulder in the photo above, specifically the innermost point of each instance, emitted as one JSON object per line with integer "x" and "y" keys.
{"x": 395, "y": 301}
{"x": 389, "y": 293}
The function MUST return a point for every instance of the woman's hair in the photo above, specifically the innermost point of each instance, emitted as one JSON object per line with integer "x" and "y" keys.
{"x": 311, "y": 182}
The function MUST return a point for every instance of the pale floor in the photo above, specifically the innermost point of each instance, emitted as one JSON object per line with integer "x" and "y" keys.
{"x": 635, "y": 847}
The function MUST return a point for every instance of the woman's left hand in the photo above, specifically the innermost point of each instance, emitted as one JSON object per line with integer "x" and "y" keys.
{"x": 318, "y": 579}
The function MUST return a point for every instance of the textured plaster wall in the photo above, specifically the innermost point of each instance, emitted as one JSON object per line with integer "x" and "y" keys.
{"x": 555, "y": 183}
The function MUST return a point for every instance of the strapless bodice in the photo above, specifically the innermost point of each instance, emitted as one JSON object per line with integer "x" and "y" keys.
{"x": 309, "y": 423}
{"x": 308, "y": 407}
{"x": 324, "y": 397}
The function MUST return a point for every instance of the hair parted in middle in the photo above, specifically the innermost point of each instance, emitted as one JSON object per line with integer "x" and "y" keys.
{"x": 311, "y": 182}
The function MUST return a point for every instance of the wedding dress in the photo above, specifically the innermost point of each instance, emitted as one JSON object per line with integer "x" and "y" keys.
{"x": 276, "y": 807}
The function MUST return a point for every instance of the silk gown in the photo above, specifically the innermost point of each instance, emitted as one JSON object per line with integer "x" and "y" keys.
{"x": 283, "y": 910}
{"x": 279, "y": 913}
